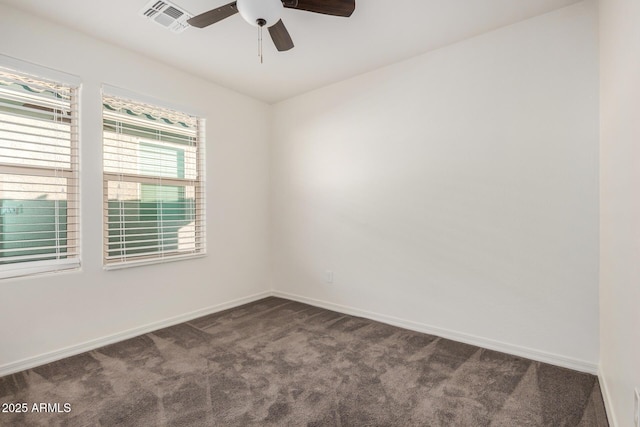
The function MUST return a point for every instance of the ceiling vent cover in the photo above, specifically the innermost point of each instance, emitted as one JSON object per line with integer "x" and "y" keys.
{"x": 166, "y": 14}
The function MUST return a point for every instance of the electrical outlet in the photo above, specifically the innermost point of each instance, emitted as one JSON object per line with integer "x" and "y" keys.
{"x": 636, "y": 407}
{"x": 328, "y": 276}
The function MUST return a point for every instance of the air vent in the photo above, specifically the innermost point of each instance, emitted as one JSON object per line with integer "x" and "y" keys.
{"x": 166, "y": 14}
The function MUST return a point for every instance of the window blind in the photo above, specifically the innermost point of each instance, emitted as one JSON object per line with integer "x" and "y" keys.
{"x": 153, "y": 183}
{"x": 39, "y": 197}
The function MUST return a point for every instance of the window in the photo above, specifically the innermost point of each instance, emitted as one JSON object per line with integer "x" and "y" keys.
{"x": 153, "y": 183}
{"x": 39, "y": 205}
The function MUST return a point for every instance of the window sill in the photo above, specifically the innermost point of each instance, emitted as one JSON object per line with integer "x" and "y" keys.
{"x": 139, "y": 263}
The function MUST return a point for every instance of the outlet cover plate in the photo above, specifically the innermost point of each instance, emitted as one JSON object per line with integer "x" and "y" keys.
{"x": 328, "y": 276}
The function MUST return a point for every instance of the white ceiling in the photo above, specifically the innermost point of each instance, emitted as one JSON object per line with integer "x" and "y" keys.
{"x": 328, "y": 49}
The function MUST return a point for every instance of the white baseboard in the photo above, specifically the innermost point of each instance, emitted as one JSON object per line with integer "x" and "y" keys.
{"x": 529, "y": 353}
{"x": 32, "y": 362}
{"x": 606, "y": 396}
{"x": 541, "y": 356}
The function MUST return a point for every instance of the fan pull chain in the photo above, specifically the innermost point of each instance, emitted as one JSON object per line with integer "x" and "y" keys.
{"x": 260, "y": 43}
{"x": 261, "y": 23}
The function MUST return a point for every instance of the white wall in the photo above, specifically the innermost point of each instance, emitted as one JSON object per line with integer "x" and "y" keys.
{"x": 51, "y": 312}
{"x": 620, "y": 205}
{"x": 456, "y": 190}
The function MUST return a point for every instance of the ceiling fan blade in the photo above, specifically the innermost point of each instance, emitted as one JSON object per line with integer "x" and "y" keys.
{"x": 280, "y": 36}
{"x": 328, "y": 7}
{"x": 213, "y": 16}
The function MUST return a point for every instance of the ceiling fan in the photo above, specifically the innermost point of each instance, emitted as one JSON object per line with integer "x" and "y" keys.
{"x": 266, "y": 13}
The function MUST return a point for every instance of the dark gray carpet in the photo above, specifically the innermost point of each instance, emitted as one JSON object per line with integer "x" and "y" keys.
{"x": 283, "y": 363}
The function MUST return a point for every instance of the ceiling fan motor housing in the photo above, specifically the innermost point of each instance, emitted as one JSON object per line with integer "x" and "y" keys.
{"x": 260, "y": 13}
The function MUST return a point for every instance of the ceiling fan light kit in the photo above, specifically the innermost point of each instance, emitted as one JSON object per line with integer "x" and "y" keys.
{"x": 260, "y": 13}
{"x": 267, "y": 13}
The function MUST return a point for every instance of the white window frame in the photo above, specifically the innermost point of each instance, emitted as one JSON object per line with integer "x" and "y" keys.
{"x": 137, "y": 175}
{"x": 69, "y": 259}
